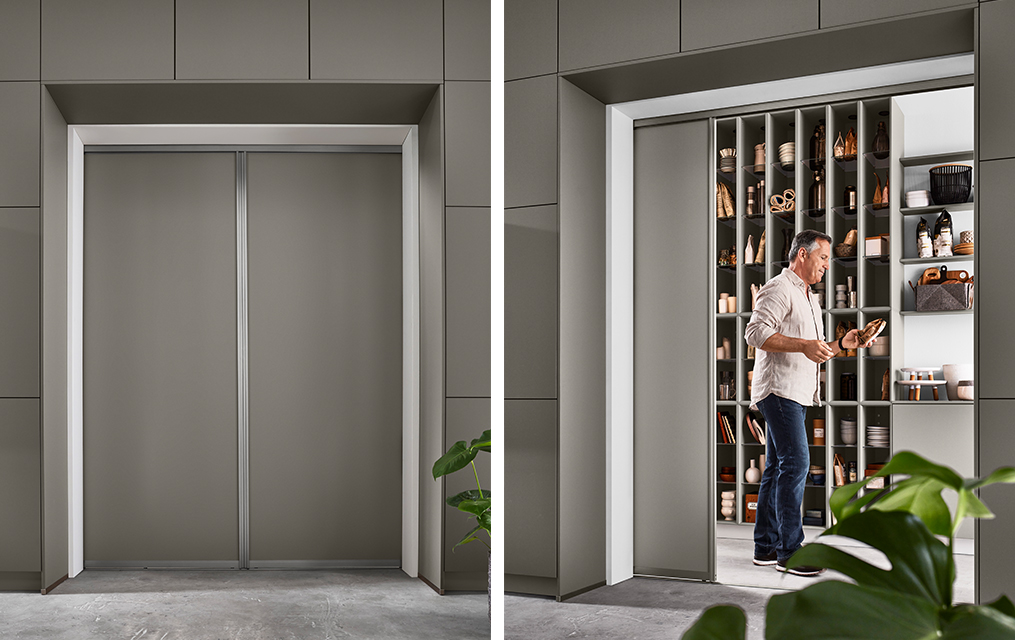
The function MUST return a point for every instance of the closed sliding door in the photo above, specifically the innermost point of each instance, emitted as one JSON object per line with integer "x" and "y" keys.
{"x": 325, "y": 358}
{"x": 160, "y": 393}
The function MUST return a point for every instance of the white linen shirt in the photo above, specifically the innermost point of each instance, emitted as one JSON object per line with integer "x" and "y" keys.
{"x": 784, "y": 306}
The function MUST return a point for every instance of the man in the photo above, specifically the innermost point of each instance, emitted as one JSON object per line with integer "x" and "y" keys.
{"x": 786, "y": 329}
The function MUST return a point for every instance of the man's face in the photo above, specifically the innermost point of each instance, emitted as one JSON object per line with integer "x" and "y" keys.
{"x": 813, "y": 266}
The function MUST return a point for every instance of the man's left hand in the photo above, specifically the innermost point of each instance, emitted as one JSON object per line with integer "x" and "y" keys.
{"x": 852, "y": 340}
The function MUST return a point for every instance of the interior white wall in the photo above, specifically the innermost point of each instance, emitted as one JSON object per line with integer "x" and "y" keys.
{"x": 405, "y": 136}
{"x": 620, "y": 249}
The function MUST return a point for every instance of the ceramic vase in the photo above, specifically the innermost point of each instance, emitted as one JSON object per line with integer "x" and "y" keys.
{"x": 953, "y": 373}
{"x": 727, "y": 512}
{"x": 753, "y": 474}
{"x": 749, "y": 251}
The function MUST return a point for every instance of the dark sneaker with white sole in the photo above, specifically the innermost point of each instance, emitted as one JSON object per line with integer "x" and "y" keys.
{"x": 805, "y": 571}
{"x": 766, "y": 560}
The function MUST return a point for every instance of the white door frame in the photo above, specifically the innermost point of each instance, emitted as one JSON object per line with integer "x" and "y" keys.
{"x": 620, "y": 120}
{"x": 407, "y": 136}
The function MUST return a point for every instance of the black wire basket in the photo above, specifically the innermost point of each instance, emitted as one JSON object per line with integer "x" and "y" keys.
{"x": 950, "y": 183}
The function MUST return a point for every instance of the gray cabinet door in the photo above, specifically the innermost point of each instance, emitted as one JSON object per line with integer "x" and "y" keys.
{"x": 530, "y": 38}
{"x": 239, "y": 39}
{"x": 325, "y": 357}
{"x": 530, "y": 302}
{"x": 107, "y": 40}
{"x": 19, "y": 40}
{"x": 995, "y": 304}
{"x": 376, "y": 40}
{"x": 19, "y": 313}
{"x": 467, "y": 143}
{"x": 530, "y": 142}
{"x": 995, "y": 563}
{"x": 467, "y": 303}
{"x": 671, "y": 354}
{"x": 530, "y": 488}
{"x": 20, "y": 485}
{"x": 160, "y": 400}
{"x": 467, "y": 40}
{"x": 604, "y": 32}
{"x": 706, "y": 24}
{"x": 19, "y": 144}
{"x": 996, "y": 62}
{"x": 467, "y": 419}
{"x": 840, "y": 12}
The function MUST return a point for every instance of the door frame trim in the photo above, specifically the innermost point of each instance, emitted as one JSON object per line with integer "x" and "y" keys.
{"x": 404, "y": 136}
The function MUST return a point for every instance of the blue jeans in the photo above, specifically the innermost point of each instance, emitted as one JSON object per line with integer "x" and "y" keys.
{"x": 778, "y": 525}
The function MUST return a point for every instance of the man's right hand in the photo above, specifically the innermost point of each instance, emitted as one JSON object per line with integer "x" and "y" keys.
{"x": 818, "y": 351}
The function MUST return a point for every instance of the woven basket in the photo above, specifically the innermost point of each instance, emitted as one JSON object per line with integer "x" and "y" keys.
{"x": 845, "y": 250}
{"x": 950, "y": 183}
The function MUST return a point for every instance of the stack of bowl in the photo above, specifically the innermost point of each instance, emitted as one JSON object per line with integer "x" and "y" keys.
{"x": 847, "y": 430}
{"x": 728, "y": 160}
{"x": 965, "y": 247}
{"x": 817, "y": 474}
{"x": 787, "y": 154}
{"x": 877, "y": 436}
{"x": 919, "y": 198}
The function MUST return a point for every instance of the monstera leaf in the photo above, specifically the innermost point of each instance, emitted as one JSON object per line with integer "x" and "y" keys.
{"x": 721, "y": 622}
{"x": 458, "y": 456}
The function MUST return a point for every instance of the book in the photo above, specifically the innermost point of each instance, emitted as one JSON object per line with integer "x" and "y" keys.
{"x": 722, "y": 427}
{"x": 728, "y": 421}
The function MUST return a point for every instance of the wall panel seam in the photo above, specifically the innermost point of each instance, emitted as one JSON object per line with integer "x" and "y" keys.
{"x": 531, "y": 206}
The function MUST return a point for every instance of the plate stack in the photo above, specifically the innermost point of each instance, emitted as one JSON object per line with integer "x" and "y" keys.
{"x": 963, "y": 249}
{"x": 877, "y": 436}
{"x": 847, "y": 430}
{"x": 919, "y": 198}
{"x": 727, "y": 160}
{"x": 787, "y": 154}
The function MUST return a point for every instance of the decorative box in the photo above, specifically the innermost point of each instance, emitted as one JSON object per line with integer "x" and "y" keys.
{"x": 944, "y": 297}
{"x": 751, "y": 510}
{"x": 876, "y": 245}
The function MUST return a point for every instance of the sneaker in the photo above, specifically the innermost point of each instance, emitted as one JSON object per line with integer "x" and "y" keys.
{"x": 765, "y": 560}
{"x": 804, "y": 571}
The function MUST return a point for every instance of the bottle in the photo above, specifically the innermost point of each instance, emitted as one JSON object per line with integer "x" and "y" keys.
{"x": 849, "y": 199}
{"x": 880, "y": 144}
{"x": 818, "y": 145}
{"x": 817, "y": 194}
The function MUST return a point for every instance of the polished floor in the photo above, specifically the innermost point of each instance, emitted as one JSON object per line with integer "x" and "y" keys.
{"x": 248, "y": 605}
{"x": 653, "y": 609}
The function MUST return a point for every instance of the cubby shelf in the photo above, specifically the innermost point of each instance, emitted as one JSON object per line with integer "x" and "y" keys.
{"x": 937, "y": 208}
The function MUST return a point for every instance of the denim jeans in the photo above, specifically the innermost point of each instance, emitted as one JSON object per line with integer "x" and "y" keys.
{"x": 778, "y": 525}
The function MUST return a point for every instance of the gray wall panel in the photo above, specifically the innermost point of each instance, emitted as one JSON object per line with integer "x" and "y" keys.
{"x": 467, "y": 141}
{"x": 842, "y": 12}
{"x": 530, "y": 142}
{"x": 530, "y": 38}
{"x": 19, "y": 40}
{"x": 54, "y": 344}
{"x": 19, "y": 144}
{"x": 704, "y": 26}
{"x": 995, "y": 305}
{"x": 995, "y": 563}
{"x": 376, "y": 39}
{"x": 996, "y": 59}
{"x": 671, "y": 340}
{"x": 467, "y": 302}
{"x": 467, "y": 419}
{"x": 601, "y": 32}
{"x": 431, "y": 345}
{"x": 107, "y": 40}
{"x": 20, "y": 237}
{"x": 531, "y": 262}
{"x": 160, "y": 477}
{"x": 325, "y": 314}
{"x": 582, "y": 340}
{"x": 530, "y": 488}
{"x": 466, "y": 40}
{"x": 242, "y": 39}
{"x": 20, "y": 473}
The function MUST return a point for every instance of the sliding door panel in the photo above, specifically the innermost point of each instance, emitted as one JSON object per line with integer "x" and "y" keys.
{"x": 325, "y": 358}
{"x": 160, "y": 399}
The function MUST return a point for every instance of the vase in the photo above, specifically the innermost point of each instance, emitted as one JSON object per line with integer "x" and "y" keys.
{"x": 753, "y": 475}
{"x": 880, "y": 145}
{"x": 787, "y": 235}
{"x": 727, "y": 512}
{"x": 952, "y": 374}
{"x": 839, "y": 149}
{"x": 850, "y": 144}
{"x": 749, "y": 251}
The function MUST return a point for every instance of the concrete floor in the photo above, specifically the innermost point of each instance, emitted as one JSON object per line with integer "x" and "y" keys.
{"x": 252, "y": 605}
{"x": 651, "y": 609}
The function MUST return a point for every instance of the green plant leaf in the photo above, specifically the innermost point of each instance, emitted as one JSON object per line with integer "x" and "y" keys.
{"x": 921, "y": 564}
{"x": 484, "y": 520}
{"x": 1004, "y": 605}
{"x": 1004, "y": 474}
{"x": 969, "y": 622}
{"x": 720, "y": 622}
{"x": 469, "y": 537}
{"x": 969, "y": 506}
{"x": 920, "y": 496}
{"x": 482, "y": 442}
{"x": 457, "y": 457}
{"x": 834, "y": 610}
{"x": 470, "y": 494}
{"x": 475, "y": 507}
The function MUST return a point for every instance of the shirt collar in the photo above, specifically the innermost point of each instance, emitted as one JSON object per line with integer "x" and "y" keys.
{"x": 794, "y": 278}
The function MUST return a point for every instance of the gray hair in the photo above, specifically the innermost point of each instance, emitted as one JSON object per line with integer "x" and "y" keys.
{"x": 808, "y": 241}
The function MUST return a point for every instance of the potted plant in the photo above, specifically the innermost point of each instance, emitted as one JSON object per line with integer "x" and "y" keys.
{"x": 913, "y": 599}
{"x": 474, "y": 502}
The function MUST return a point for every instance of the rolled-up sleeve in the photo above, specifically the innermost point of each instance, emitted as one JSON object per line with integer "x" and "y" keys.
{"x": 771, "y": 307}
